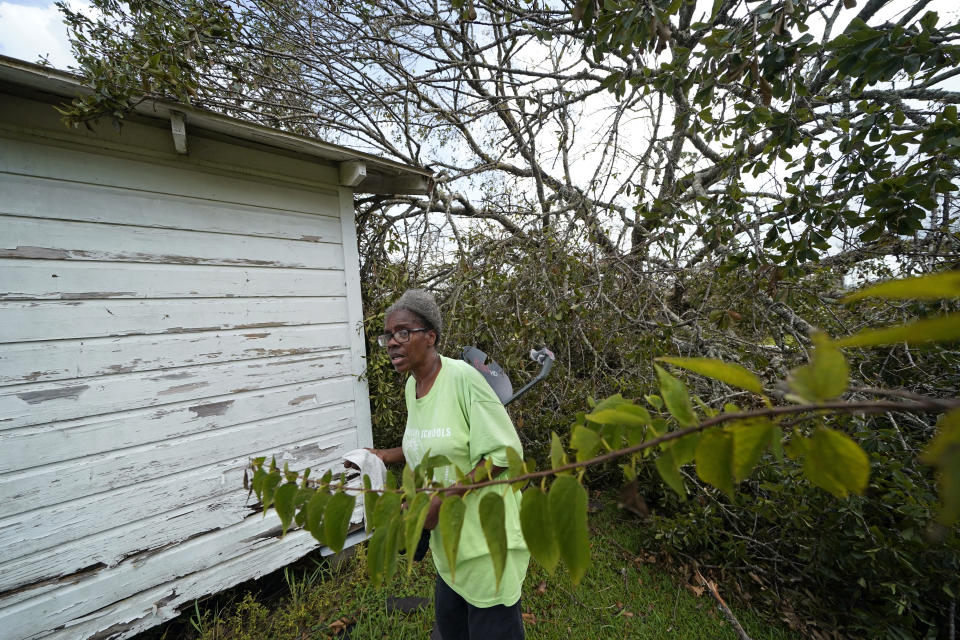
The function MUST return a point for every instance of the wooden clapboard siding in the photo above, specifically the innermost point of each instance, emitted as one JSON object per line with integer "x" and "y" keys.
{"x": 39, "y": 159}
{"x": 91, "y": 357}
{"x": 156, "y": 529}
{"x": 41, "y": 197}
{"x": 63, "y": 280}
{"x": 163, "y": 603}
{"x": 22, "y": 321}
{"x": 163, "y": 319}
{"x": 43, "y": 402}
{"x": 35, "y": 446}
{"x": 45, "y": 528}
{"x": 50, "y": 484}
{"x": 104, "y": 588}
{"x": 67, "y": 240}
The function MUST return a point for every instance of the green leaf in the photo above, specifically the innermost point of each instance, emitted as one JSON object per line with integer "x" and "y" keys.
{"x": 430, "y": 463}
{"x": 732, "y": 374}
{"x": 825, "y": 378}
{"x": 452, "y": 512}
{"x": 270, "y": 487}
{"x": 585, "y": 442}
{"x": 628, "y": 415}
{"x": 283, "y": 503}
{"x": 493, "y": 523}
{"x": 836, "y": 463}
{"x": 939, "y": 329}
{"x": 413, "y": 522}
{"x": 668, "y": 469}
{"x": 676, "y": 398}
{"x": 568, "y": 510}
{"x": 684, "y": 449}
{"x": 538, "y": 530}
{"x": 259, "y": 477}
{"x": 369, "y": 503}
{"x": 409, "y": 482}
{"x": 385, "y": 543}
{"x": 336, "y": 519}
{"x": 943, "y": 452}
{"x": 557, "y": 457}
{"x": 750, "y": 440}
{"x": 928, "y": 287}
{"x": 655, "y": 401}
{"x": 714, "y": 459}
{"x": 315, "y": 508}
{"x": 515, "y": 467}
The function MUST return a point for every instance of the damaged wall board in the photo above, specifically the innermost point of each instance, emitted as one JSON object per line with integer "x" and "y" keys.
{"x": 164, "y": 317}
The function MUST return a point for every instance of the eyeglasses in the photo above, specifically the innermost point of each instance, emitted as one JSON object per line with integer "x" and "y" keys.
{"x": 401, "y": 336}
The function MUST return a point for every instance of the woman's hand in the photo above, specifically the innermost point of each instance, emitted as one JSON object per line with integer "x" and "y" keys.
{"x": 388, "y": 456}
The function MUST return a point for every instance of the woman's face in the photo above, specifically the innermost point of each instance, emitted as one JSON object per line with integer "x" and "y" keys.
{"x": 418, "y": 351}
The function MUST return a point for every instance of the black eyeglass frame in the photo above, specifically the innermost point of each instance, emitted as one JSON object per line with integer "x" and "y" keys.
{"x": 384, "y": 338}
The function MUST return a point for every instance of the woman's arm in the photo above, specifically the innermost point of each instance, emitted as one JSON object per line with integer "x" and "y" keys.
{"x": 389, "y": 456}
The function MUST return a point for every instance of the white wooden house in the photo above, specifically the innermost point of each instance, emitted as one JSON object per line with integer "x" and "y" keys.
{"x": 176, "y": 296}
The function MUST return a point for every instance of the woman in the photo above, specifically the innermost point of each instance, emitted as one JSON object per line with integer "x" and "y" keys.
{"x": 453, "y": 412}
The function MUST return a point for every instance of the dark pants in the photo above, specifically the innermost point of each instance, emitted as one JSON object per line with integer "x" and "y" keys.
{"x": 457, "y": 619}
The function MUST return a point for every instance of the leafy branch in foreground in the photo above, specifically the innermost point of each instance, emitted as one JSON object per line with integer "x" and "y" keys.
{"x": 725, "y": 445}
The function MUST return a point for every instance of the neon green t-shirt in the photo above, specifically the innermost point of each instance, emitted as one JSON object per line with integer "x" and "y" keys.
{"x": 461, "y": 418}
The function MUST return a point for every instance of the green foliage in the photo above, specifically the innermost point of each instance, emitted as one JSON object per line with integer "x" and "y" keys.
{"x": 452, "y": 513}
{"x": 336, "y": 519}
{"x": 536, "y": 522}
{"x": 492, "y": 521}
{"x": 676, "y": 398}
{"x": 736, "y": 450}
{"x": 943, "y": 452}
{"x": 825, "y": 378}
{"x": 568, "y": 515}
{"x": 928, "y": 287}
{"x": 833, "y": 462}
{"x": 733, "y": 374}
{"x": 942, "y": 329}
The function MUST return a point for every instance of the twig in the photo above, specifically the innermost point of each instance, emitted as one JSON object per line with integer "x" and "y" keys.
{"x": 723, "y": 606}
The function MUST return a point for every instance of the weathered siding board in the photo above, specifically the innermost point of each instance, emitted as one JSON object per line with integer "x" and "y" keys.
{"x": 62, "y": 240}
{"x": 91, "y": 357}
{"x": 46, "y": 527}
{"x": 163, "y": 603}
{"x": 128, "y": 578}
{"x": 34, "y": 446}
{"x": 50, "y": 198}
{"x": 44, "y": 320}
{"x": 52, "y": 484}
{"x": 68, "y": 280}
{"x": 39, "y": 159}
{"x": 130, "y": 540}
{"x": 43, "y": 402}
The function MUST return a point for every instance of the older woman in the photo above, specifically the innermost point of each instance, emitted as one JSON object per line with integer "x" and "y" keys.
{"x": 452, "y": 411}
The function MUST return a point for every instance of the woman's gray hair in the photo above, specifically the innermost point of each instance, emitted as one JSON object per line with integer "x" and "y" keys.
{"x": 421, "y": 303}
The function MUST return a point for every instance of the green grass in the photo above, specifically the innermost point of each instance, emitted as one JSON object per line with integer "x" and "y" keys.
{"x": 620, "y": 597}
